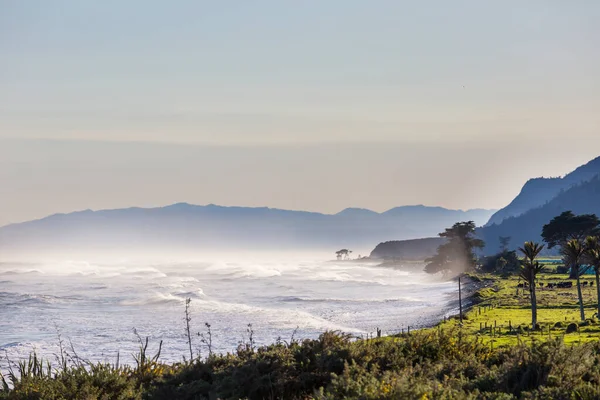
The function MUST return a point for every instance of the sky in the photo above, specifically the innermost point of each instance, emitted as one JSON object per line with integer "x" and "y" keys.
{"x": 312, "y": 105}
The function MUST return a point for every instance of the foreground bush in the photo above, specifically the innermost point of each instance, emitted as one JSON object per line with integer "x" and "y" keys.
{"x": 424, "y": 365}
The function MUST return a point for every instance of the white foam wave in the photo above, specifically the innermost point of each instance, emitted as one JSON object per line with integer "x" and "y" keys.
{"x": 157, "y": 298}
{"x": 282, "y": 317}
{"x": 154, "y": 299}
{"x": 98, "y": 304}
{"x": 20, "y": 272}
{"x": 347, "y": 300}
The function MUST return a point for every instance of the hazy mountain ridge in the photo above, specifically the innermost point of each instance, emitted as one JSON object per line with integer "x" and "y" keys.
{"x": 538, "y": 191}
{"x": 583, "y": 198}
{"x": 540, "y": 200}
{"x": 192, "y": 227}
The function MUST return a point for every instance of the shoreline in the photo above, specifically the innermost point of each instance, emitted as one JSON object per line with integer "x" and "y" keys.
{"x": 469, "y": 289}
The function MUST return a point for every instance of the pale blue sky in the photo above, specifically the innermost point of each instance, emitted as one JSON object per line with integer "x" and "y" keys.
{"x": 411, "y": 89}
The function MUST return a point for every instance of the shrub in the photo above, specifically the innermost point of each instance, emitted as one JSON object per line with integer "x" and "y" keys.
{"x": 561, "y": 269}
{"x": 572, "y": 327}
{"x": 444, "y": 364}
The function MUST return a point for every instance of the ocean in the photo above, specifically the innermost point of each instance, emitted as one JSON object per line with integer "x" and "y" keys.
{"x": 96, "y": 306}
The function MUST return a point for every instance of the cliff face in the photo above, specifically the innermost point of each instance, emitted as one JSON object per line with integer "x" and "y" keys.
{"x": 416, "y": 249}
{"x": 539, "y": 191}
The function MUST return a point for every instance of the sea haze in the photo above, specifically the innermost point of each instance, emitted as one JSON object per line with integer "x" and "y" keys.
{"x": 97, "y": 305}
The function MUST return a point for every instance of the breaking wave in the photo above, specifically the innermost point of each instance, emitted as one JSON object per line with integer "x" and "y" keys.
{"x": 97, "y": 305}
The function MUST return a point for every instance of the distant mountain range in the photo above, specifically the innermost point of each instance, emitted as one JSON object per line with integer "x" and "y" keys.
{"x": 213, "y": 228}
{"x": 189, "y": 227}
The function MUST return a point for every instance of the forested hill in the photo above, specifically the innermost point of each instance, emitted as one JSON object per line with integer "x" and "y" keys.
{"x": 583, "y": 198}
{"x": 416, "y": 249}
{"x": 538, "y": 191}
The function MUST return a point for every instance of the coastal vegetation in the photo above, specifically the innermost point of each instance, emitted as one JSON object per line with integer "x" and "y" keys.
{"x": 530, "y": 269}
{"x": 592, "y": 257}
{"x": 573, "y": 252}
{"x": 441, "y": 363}
{"x": 568, "y": 226}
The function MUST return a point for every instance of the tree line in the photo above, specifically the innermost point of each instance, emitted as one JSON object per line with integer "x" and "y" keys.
{"x": 576, "y": 236}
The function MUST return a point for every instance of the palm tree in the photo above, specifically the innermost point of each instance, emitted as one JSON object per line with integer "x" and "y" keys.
{"x": 530, "y": 267}
{"x": 592, "y": 257}
{"x": 573, "y": 252}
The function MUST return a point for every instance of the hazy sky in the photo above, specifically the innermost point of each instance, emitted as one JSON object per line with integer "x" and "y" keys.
{"x": 315, "y": 105}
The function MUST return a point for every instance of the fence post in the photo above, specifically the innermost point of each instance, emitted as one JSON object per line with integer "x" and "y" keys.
{"x": 460, "y": 300}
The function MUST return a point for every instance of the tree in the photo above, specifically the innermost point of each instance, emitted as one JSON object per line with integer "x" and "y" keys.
{"x": 343, "y": 254}
{"x": 573, "y": 252}
{"x": 501, "y": 264}
{"x": 504, "y": 241}
{"x": 530, "y": 267}
{"x": 569, "y": 226}
{"x": 506, "y": 263}
{"x": 592, "y": 258}
{"x": 456, "y": 254}
{"x": 437, "y": 263}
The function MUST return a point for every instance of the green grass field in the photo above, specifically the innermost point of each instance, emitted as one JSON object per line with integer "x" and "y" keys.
{"x": 503, "y": 315}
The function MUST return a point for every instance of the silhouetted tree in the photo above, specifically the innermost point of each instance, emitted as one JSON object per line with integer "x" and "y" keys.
{"x": 592, "y": 257}
{"x": 343, "y": 254}
{"x": 572, "y": 252}
{"x": 504, "y": 241}
{"x": 438, "y": 263}
{"x": 456, "y": 254}
{"x": 501, "y": 263}
{"x": 569, "y": 226}
{"x": 530, "y": 267}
